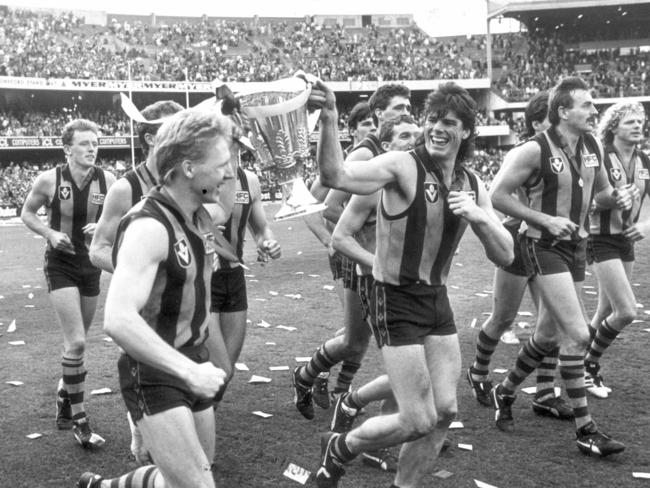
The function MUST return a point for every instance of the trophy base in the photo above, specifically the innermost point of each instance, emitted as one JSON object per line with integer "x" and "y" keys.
{"x": 287, "y": 212}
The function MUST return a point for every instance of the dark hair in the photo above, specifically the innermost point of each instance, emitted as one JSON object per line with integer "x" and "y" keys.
{"x": 450, "y": 97}
{"x": 560, "y": 96}
{"x": 359, "y": 112}
{"x": 386, "y": 132}
{"x": 536, "y": 111}
{"x": 154, "y": 111}
{"x": 77, "y": 125}
{"x": 384, "y": 94}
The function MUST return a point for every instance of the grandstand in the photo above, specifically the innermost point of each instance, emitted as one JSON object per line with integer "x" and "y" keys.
{"x": 56, "y": 65}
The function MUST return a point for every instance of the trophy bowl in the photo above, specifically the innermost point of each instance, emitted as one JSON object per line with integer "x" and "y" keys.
{"x": 279, "y": 126}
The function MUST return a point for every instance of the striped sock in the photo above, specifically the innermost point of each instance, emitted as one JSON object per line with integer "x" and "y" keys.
{"x": 319, "y": 363}
{"x": 346, "y": 375}
{"x": 572, "y": 370}
{"x": 604, "y": 337}
{"x": 143, "y": 477}
{"x": 546, "y": 375}
{"x": 353, "y": 400}
{"x": 341, "y": 451}
{"x": 74, "y": 382}
{"x": 485, "y": 347}
{"x": 529, "y": 357}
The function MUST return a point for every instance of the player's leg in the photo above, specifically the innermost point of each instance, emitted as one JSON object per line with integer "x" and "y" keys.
{"x": 444, "y": 363}
{"x": 233, "y": 330}
{"x": 507, "y": 295}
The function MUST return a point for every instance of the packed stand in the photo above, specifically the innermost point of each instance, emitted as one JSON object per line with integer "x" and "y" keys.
{"x": 15, "y": 123}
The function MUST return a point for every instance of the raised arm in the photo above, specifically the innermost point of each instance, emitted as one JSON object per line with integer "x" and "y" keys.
{"x": 117, "y": 204}
{"x": 314, "y": 221}
{"x": 143, "y": 248}
{"x": 355, "y": 215}
{"x": 40, "y": 195}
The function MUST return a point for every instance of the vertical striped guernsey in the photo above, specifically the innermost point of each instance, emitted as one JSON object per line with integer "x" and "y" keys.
{"x": 72, "y": 208}
{"x": 417, "y": 245}
{"x": 141, "y": 181}
{"x": 615, "y": 221}
{"x": 564, "y": 186}
{"x": 179, "y": 302}
{"x": 235, "y": 228}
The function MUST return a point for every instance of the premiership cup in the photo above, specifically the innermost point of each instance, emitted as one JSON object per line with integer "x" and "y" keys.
{"x": 279, "y": 131}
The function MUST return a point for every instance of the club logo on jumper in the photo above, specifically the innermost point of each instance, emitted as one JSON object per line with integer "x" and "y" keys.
{"x": 242, "y": 197}
{"x": 616, "y": 174}
{"x": 644, "y": 174}
{"x": 97, "y": 198}
{"x": 65, "y": 192}
{"x": 557, "y": 165}
{"x": 590, "y": 160}
{"x": 182, "y": 251}
{"x": 431, "y": 192}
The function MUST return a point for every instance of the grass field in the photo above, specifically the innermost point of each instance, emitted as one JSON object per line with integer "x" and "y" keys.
{"x": 253, "y": 452}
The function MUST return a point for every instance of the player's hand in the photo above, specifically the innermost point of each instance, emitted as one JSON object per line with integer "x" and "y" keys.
{"x": 270, "y": 248}
{"x": 560, "y": 226}
{"x": 634, "y": 233}
{"x": 321, "y": 97}
{"x": 623, "y": 197}
{"x": 89, "y": 229}
{"x": 463, "y": 204}
{"x": 205, "y": 380}
{"x": 60, "y": 242}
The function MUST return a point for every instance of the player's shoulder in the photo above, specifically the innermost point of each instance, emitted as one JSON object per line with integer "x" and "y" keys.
{"x": 360, "y": 153}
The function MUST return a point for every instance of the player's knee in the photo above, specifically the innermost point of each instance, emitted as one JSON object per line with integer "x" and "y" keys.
{"x": 419, "y": 424}
{"x": 626, "y": 314}
{"x": 447, "y": 412}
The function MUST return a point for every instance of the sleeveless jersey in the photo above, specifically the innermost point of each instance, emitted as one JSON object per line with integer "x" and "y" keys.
{"x": 178, "y": 307}
{"x": 615, "y": 221}
{"x": 370, "y": 142}
{"x": 510, "y": 221}
{"x": 72, "y": 208}
{"x": 235, "y": 227}
{"x": 141, "y": 181}
{"x": 418, "y": 244}
{"x": 565, "y": 185}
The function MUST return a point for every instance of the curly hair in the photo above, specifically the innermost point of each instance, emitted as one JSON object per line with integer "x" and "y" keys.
{"x": 613, "y": 116}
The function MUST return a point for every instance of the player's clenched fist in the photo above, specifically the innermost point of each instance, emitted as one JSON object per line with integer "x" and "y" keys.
{"x": 205, "y": 380}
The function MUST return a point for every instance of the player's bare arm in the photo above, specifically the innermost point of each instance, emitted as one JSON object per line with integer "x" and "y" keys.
{"x": 41, "y": 195}
{"x": 117, "y": 204}
{"x": 496, "y": 240}
{"x": 143, "y": 248}
{"x": 354, "y": 216}
{"x": 257, "y": 223}
{"x": 521, "y": 166}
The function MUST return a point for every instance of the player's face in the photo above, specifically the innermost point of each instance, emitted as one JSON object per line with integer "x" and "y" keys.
{"x": 404, "y": 137}
{"x": 582, "y": 116}
{"x": 630, "y": 128}
{"x": 364, "y": 127}
{"x": 83, "y": 149}
{"x": 215, "y": 169}
{"x": 396, "y": 107}
{"x": 444, "y": 135}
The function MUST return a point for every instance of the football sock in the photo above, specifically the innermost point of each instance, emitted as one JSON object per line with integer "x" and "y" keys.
{"x": 604, "y": 337}
{"x": 572, "y": 370}
{"x": 340, "y": 450}
{"x": 143, "y": 477}
{"x": 529, "y": 357}
{"x": 319, "y": 363}
{"x": 346, "y": 375}
{"x": 74, "y": 381}
{"x": 354, "y": 401}
{"x": 546, "y": 375}
{"x": 485, "y": 347}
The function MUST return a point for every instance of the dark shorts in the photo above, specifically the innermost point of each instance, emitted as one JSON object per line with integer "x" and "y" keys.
{"x": 364, "y": 289}
{"x": 560, "y": 257}
{"x": 521, "y": 266}
{"x": 336, "y": 265}
{"x": 149, "y": 391}
{"x": 606, "y": 247}
{"x": 350, "y": 276}
{"x": 407, "y": 314}
{"x": 228, "y": 290}
{"x": 71, "y": 271}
